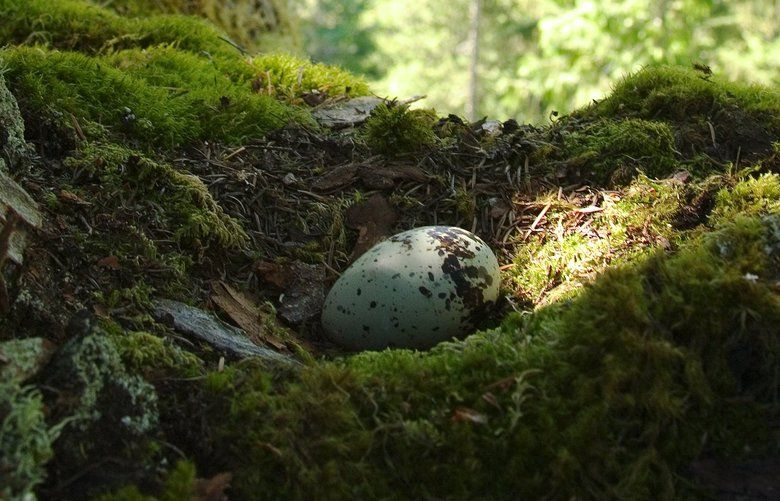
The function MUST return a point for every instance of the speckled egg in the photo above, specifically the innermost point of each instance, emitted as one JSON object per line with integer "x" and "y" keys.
{"x": 414, "y": 290}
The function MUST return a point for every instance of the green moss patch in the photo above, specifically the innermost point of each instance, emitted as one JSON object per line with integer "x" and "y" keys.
{"x": 613, "y": 151}
{"x": 397, "y": 129}
{"x": 717, "y": 118}
{"x": 161, "y": 80}
{"x": 611, "y": 391}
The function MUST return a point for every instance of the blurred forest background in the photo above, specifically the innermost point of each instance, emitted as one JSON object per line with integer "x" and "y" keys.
{"x": 523, "y": 59}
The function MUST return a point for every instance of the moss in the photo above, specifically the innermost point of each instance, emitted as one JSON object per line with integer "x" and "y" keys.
{"x": 726, "y": 123}
{"x": 170, "y": 98}
{"x": 180, "y": 484}
{"x": 78, "y": 25}
{"x": 174, "y": 199}
{"x": 609, "y": 392}
{"x": 578, "y": 246}
{"x": 395, "y": 129}
{"x": 615, "y": 150}
{"x": 153, "y": 356}
{"x": 678, "y": 94}
{"x": 291, "y": 77}
{"x": 25, "y": 439}
{"x": 751, "y": 196}
{"x": 256, "y": 25}
{"x": 160, "y": 80}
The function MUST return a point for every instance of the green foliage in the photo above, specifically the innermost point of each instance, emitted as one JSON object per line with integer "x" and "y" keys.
{"x": 339, "y": 31}
{"x": 395, "y": 129}
{"x": 609, "y": 392}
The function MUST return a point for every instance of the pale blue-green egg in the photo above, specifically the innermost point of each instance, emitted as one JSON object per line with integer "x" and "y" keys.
{"x": 413, "y": 290}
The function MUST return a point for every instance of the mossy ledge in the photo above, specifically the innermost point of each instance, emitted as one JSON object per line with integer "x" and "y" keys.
{"x": 644, "y": 265}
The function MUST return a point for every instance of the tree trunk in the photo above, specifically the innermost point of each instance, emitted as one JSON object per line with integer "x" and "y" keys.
{"x": 475, "y": 13}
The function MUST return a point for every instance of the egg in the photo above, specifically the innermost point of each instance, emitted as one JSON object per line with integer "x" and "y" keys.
{"x": 413, "y": 290}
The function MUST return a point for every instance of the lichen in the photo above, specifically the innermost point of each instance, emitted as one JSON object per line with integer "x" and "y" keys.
{"x": 12, "y": 143}
{"x": 92, "y": 368}
{"x": 25, "y": 439}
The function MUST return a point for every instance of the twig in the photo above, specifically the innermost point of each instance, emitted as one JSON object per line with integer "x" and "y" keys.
{"x": 536, "y": 221}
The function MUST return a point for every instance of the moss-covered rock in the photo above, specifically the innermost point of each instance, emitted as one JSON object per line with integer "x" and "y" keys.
{"x": 161, "y": 80}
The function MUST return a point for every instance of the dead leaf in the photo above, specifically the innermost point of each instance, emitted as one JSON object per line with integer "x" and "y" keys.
{"x": 381, "y": 178}
{"x": 491, "y": 399}
{"x": 245, "y": 313}
{"x": 67, "y": 196}
{"x": 213, "y": 489}
{"x": 274, "y": 273}
{"x": 371, "y": 174}
{"x": 111, "y": 262}
{"x": 339, "y": 177}
{"x": 463, "y": 414}
{"x": 374, "y": 220}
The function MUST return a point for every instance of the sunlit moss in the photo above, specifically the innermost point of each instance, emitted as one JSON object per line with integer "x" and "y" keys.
{"x": 159, "y": 80}
{"x": 290, "y": 77}
{"x": 577, "y": 246}
{"x": 394, "y": 129}
{"x": 79, "y": 25}
{"x": 753, "y": 195}
{"x": 683, "y": 95}
{"x": 163, "y": 97}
